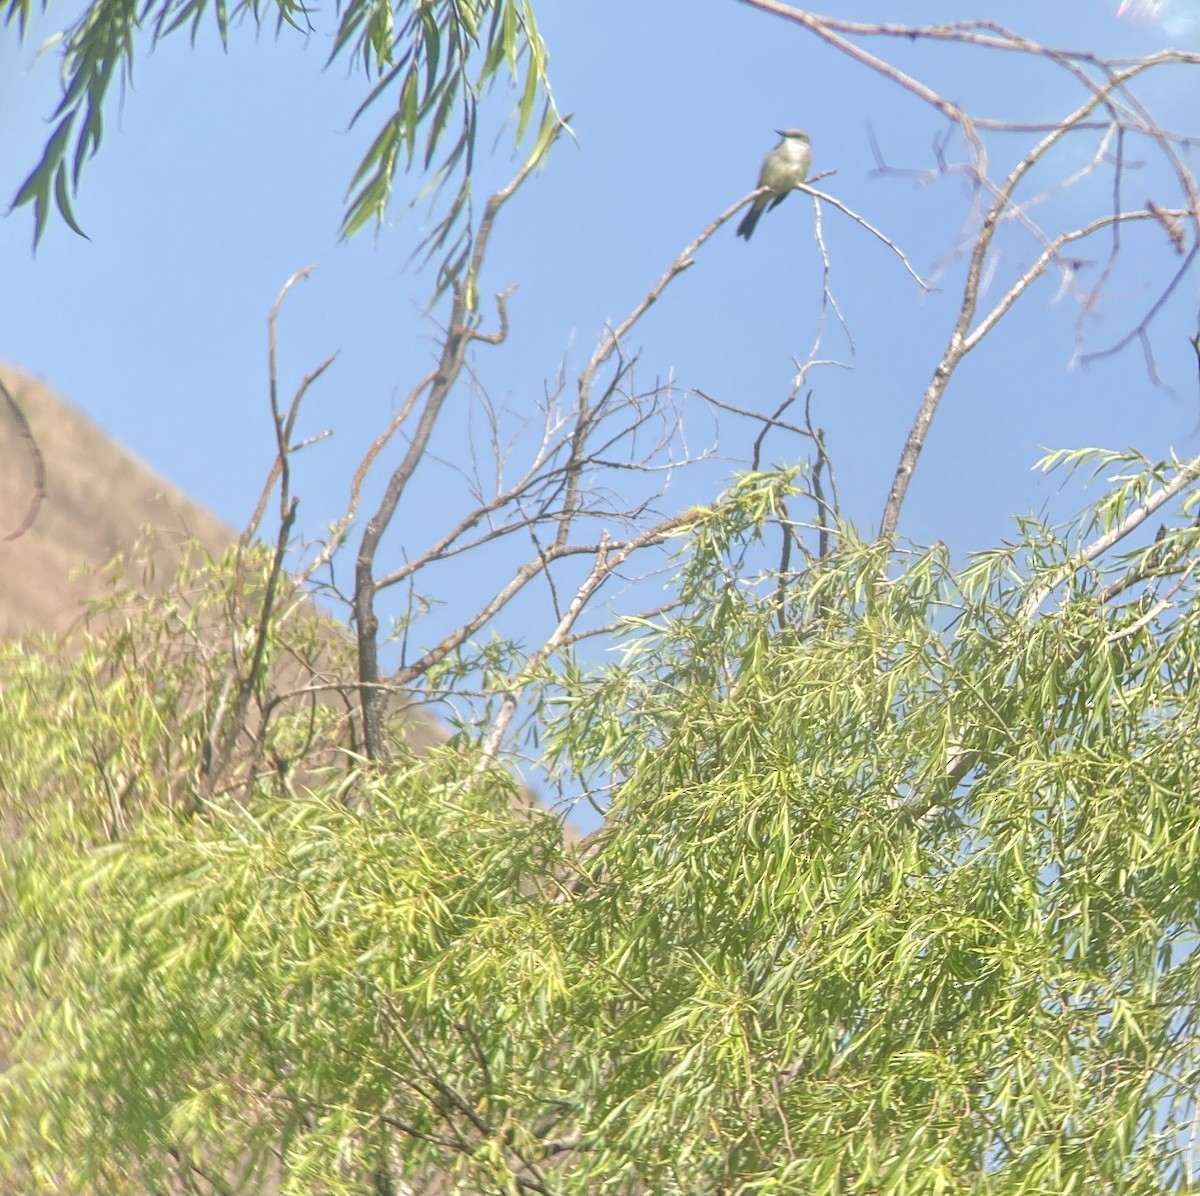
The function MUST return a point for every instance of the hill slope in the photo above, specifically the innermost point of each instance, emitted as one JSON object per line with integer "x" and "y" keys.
{"x": 98, "y": 501}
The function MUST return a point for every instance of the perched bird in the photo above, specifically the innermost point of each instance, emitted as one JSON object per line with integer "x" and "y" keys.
{"x": 783, "y": 168}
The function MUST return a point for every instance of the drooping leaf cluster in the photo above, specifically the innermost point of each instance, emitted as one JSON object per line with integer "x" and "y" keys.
{"x": 896, "y": 893}
{"x": 429, "y": 64}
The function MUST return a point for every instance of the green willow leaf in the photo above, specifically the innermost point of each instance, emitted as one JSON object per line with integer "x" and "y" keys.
{"x": 62, "y": 197}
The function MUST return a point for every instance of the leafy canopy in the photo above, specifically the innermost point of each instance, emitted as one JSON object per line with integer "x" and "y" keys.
{"x": 896, "y": 894}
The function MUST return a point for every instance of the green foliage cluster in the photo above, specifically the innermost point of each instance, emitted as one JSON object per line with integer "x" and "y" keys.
{"x": 432, "y": 60}
{"x": 896, "y": 893}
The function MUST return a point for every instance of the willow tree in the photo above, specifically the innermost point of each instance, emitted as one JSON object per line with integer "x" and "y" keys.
{"x": 895, "y": 886}
{"x": 896, "y": 893}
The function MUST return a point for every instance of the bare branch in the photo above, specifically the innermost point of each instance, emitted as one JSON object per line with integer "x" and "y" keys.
{"x": 962, "y": 338}
{"x": 462, "y": 329}
{"x": 608, "y": 559}
{"x": 1159, "y": 608}
{"x": 218, "y": 748}
{"x": 1140, "y": 330}
{"x": 468, "y": 627}
{"x": 610, "y": 344}
{"x": 864, "y": 223}
{"x": 39, "y": 465}
{"x": 1189, "y": 471}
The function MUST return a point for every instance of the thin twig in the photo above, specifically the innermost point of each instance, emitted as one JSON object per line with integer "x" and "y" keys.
{"x": 39, "y": 465}
{"x": 608, "y": 559}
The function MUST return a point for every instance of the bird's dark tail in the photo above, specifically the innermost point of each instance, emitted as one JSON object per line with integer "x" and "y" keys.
{"x": 749, "y": 220}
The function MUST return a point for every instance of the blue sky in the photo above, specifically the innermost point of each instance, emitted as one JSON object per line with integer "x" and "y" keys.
{"x": 223, "y": 173}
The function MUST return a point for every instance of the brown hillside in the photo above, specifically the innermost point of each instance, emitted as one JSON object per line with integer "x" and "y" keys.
{"x": 99, "y": 500}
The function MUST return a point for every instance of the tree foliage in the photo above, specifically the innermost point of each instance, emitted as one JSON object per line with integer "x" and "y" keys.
{"x": 811, "y": 949}
{"x": 430, "y": 62}
{"x": 895, "y": 887}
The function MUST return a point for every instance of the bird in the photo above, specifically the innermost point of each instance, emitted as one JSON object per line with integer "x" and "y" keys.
{"x": 784, "y": 168}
